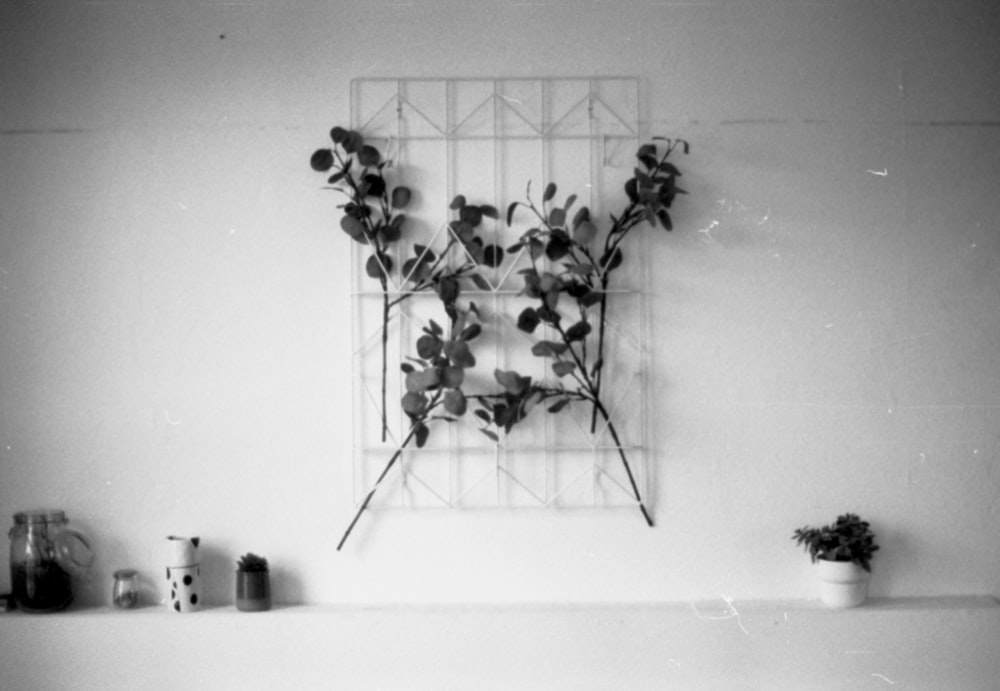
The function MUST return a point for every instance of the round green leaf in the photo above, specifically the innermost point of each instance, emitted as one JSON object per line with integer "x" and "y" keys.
{"x": 578, "y": 331}
{"x": 585, "y": 233}
{"x": 452, "y": 377}
{"x": 528, "y": 320}
{"x": 563, "y": 367}
{"x": 352, "y": 142}
{"x": 321, "y": 160}
{"x": 428, "y": 346}
{"x": 369, "y": 155}
{"x": 455, "y": 403}
{"x": 400, "y": 197}
{"x": 352, "y": 226}
{"x": 375, "y": 268}
{"x": 375, "y": 185}
{"x": 414, "y": 403}
{"x": 493, "y": 255}
{"x": 472, "y": 215}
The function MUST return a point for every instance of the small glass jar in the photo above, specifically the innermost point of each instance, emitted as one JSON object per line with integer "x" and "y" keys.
{"x": 44, "y": 554}
{"x": 125, "y": 593}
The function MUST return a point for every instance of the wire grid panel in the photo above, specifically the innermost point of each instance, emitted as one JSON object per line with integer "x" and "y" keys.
{"x": 495, "y": 141}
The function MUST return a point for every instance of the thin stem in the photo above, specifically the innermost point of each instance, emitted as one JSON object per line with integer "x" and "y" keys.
{"x": 385, "y": 471}
{"x": 628, "y": 469}
{"x": 385, "y": 354}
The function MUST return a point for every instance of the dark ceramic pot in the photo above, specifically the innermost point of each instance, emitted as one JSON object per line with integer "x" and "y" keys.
{"x": 253, "y": 591}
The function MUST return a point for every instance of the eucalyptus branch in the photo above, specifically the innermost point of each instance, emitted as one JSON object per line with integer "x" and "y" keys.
{"x": 434, "y": 378}
{"x": 650, "y": 193}
{"x": 359, "y": 220}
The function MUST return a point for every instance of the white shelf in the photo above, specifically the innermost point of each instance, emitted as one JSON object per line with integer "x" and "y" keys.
{"x": 920, "y": 643}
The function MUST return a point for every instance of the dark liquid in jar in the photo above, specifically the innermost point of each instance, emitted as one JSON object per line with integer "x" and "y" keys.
{"x": 42, "y": 588}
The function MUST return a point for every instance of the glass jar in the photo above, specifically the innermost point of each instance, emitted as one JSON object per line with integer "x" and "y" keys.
{"x": 125, "y": 593}
{"x": 44, "y": 556}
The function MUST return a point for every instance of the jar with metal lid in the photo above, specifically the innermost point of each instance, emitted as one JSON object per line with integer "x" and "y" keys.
{"x": 45, "y": 555}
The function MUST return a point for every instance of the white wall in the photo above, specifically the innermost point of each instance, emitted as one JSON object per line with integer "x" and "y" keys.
{"x": 174, "y": 355}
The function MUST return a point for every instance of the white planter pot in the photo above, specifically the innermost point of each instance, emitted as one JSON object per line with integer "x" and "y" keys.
{"x": 842, "y": 584}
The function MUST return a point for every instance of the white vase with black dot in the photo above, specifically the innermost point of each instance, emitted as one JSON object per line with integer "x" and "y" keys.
{"x": 184, "y": 574}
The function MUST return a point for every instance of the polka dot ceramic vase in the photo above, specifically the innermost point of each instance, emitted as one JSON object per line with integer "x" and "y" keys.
{"x": 184, "y": 574}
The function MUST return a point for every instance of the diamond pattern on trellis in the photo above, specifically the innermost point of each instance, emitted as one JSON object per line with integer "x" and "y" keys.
{"x": 493, "y": 136}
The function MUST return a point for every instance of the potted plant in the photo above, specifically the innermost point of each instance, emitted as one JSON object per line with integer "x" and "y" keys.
{"x": 842, "y": 552}
{"x": 253, "y": 584}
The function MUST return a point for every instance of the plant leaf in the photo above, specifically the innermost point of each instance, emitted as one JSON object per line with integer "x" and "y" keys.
{"x": 455, "y": 403}
{"x": 510, "y": 212}
{"x": 321, "y": 160}
{"x": 558, "y": 405}
{"x": 664, "y": 219}
{"x": 401, "y": 197}
{"x": 472, "y": 215}
{"x": 414, "y": 403}
{"x": 528, "y": 320}
{"x": 590, "y": 299}
{"x": 548, "y": 349}
{"x": 452, "y": 377}
{"x": 493, "y": 255}
{"x": 550, "y": 192}
{"x": 563, "y": 367}
{"x": 480, "y": 282}
{"x": 352, "y": 226}
{"x": 429, "y": 346}
{"x": 352, "y": 142}
{"x": 419, "y": 381}
{"x": 470, "y": 332}
{"x": 632, "y": 190}
{"x": 578, "y": 331}
{"x": 421, "y": 432}
{"x": 585, "y": 232}
{"x": 375, "y": 269}
{"x": 459, "y": 353}
{"x": 512, "y": 382}
{"x": 369, "y": 155}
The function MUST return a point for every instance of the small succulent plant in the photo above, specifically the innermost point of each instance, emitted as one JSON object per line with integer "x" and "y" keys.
{"x": 251, "y": 562}
{"x": 849, "y": 539}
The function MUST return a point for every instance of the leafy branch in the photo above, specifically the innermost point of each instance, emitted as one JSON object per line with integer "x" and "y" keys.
{"x": 373, "y": 217}
{"x": 434, "y": 378}
{"x": 567, "y": 268}
{"x": 370, "y": 214}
